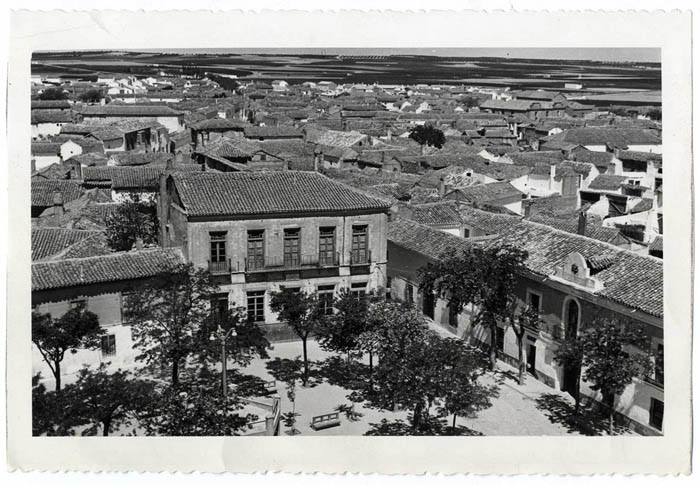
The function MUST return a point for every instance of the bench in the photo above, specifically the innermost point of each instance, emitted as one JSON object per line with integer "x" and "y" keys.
{"x": 324, "y": 421}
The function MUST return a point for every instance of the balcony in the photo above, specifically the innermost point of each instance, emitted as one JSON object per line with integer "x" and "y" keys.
{"x": 220, "y": 267}
{"x": 360, "y": 258}
{"x": 286, "y": 263}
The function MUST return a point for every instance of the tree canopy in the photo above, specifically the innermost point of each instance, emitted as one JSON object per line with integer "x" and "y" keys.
{"x": 53, "y": 94}
{"x": 132, "y": 219}
{"x": 427, "y": 135}
{"x": 75, "y": 329}
{"x": 91, "y": 96}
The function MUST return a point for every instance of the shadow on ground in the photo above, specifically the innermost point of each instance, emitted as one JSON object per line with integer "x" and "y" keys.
{"x": 434, "y": 427}
{"x": 560, "y": 410}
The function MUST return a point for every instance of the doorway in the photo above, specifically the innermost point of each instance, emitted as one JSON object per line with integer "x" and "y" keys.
{"x": 531, "y": 359}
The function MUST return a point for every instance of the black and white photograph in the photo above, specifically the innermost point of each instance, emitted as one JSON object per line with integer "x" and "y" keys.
{"x": 329, "y": 242}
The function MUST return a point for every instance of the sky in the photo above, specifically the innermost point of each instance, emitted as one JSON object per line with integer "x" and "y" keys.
{"x": 596, "y": 54}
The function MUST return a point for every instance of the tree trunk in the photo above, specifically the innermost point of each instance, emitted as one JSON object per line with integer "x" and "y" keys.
{"x": 577, "y": 392}
{"x": 417, "y": 411}
{"x": 175, "y": 373}
{"x": 306, "y": 363}
{"x": 57, "y": 375}
{"x": 492, "y": 349}
{"x": 521, "y": 362}
{"x": 454, "y": 422}
{"x": 371, "y": 370}
{"x": 105, "y": 427}
{"x": 609, "y": 400}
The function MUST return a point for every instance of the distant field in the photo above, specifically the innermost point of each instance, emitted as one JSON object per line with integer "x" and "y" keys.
{"x": 517, "y": 73}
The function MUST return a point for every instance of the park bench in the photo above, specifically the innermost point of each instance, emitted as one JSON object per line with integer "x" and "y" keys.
{"x": 324, "y": 421}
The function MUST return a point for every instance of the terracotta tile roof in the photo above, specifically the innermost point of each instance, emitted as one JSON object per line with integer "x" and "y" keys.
{"x": 633, "y": 280}
{"x": 44, "y": 148}
{"x": 219, "y": 124}
{"x": 436, "y": 214}
{"x": 486, "y": 193}
{"x": 607, "y": 182}
{"x": 43, "y": 191}
{"x": 50, "y": 104}
{"x": 230, "y": 148}
{"x": 144, "y": 177}
{"x": 49, "y": 241}
{"x": 570, "y": 224}
{"x": 335, "y": 138}
{"x": 122, "y": 266}
{"x": 642, "y": 206}
{"x": 657, "y": 244}
{"x": 51, "y": 116}
{"x": 129, "y": 110}
{"x": 619, "y": 137}
{"x": 602, "y": 160}
{"x": 272, "y": 131}
{"x": 133, "y": 158}
{"x": 636, "y": 156}
{"x": 251, "y": 193}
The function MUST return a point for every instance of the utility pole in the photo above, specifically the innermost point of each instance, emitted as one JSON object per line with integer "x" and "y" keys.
{"x": 223, "y": 335}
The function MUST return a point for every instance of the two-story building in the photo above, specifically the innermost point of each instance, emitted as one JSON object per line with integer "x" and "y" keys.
{"x": 257, "y": 232}
{"x": 571, "y": 279}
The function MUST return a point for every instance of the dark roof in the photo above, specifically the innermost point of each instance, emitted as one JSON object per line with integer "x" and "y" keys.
{"x": 618, "y": 137}
{"x": 134, "y": 158}
{"x": 272, "y": 131}
{"x": 46, "y": 148}
{"x": 607, "y": 182}
{"x": 51, "y": 116}
{"x": 657, "y": 244}
{"x": 122, "y": 266}
{"x": 599, "y": 159}
{"x": 594, "y": 230}
{"x": 50, "y": 104}
{"x": 230, "y": 148}
{"x": 47, "y": 242}
{"x": 436, "y": 214}
{"x": 145, "y": 177}
{"x": 636, "y": 156}
{"x": 251, "y": 193}
{"x": 129, "y": 110}
{"x": 43, "y": 191}
{"x": 485, "y": 193}
{"x": 628, "y": 278}
{"x": 219, "y": 124}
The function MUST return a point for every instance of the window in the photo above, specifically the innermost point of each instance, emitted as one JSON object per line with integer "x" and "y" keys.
{"x": 108, "y": 345}
{"x": 452, "y": 315}
{"x": 359, "y": 253}
{"x": 326, "y": 246}
{"x": 127, "y": 317}
{"x": 256, "y": 306}
{"x": 78, "y": 305}
{"x": 219, "y": 305}
{"x": 656, "y": 414}
{"x": 325, "y": 298}
{"x": 388, "y": 287}
{"x": 659, "y": 365}
{"x": 410, "y": 296}
{"x": 534, "y": 300}
{"x": 467, "y": 232}
{"x": 292, "y": 247}
{"x": 256, "y": 249}
{"x": 217, "y": 244}
{"x": 359, "y": 290}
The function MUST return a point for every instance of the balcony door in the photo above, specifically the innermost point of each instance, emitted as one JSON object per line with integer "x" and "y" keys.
{"x": 256, "y": 249}
{"x": 292, "y": 247}
{"x": 326, "y": 246}
{"x": 359, "y": 251}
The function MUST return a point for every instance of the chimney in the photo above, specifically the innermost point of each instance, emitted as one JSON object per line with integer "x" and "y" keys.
{"x": 169, "y": 165}
{"x": 285, "y": 165}
{"x": 178, "y": 157}
{"x": 58, "y": 209}
{"x": 388, "y": 135}
{"x": 441, "y": 188}
{"x": 582, "y": 222}
{"x": 33, "y": 162}
{"x": 138, "y": 244}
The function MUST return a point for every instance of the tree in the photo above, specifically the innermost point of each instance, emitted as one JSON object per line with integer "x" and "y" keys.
{"x": 483, "y": 277}
{"x": 528, "y": 317}
{"x": 196, "y": 408}
{"x": 654, "y": 114}
{"x": 107, "y": 400}
{"x": 427, "y": 135}
{"x": 169, "y": 313}
{"x": 569, "y": 355}
{"x": 132, "y": 220}
{"x": 458, "y": 369}
{"x": 75, "y": 329}
{"x": 91, "y": 96}
{"x": 303, "y": 313}
{"x": 607, "y": 361}
{"x": 50, "y": 415}
{"x": 340, "y": 332}
{"x": 53, "y": 94}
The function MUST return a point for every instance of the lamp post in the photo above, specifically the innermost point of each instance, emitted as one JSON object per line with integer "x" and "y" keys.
{"x": 222, "y": 335}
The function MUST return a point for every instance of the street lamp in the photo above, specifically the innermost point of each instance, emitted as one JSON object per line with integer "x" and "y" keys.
{"x": 222, "y": 335}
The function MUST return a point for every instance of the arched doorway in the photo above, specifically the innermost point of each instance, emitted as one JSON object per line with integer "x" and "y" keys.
{"x": 572, "y": 373}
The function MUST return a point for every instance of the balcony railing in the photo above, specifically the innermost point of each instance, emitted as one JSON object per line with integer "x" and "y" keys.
{"x": 359, "y": 258}
{"x": 220, "y": 267}
{"x": 282, "y": 263}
